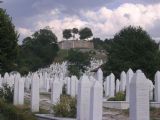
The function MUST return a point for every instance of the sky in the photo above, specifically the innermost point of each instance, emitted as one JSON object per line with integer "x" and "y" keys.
{"x": 104, "y": 17}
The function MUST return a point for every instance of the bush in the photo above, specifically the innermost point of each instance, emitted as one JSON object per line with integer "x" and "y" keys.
{"x": 133, "y": 48}
{"x": 66, "y": 107}
{"x": 14, "y": 113}
{"x": 120, "y": 96}
{"x": 6, "y": 93}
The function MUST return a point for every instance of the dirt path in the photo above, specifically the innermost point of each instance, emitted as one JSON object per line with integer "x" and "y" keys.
{"x": 110, "y": 114}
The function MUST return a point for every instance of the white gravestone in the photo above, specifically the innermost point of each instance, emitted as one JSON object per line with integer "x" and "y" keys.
{"x": 157, "y": 87}
{"x": 117, "y": 85}
{"x": 112, "y": 85}
{"x": 21, "y": 91}
{"x": 123, "y": 81}
{"x": 73, "y": 86}
{"x": 83, "y": 98}
{"x": 96, "y": 101}
{"x": 128, "y": 81}
{"x": 151, "y": 87}
{"x": 35, "y": 93}
{"x": 16, "y": 89}
{"x": 55, "y": 92}
{"x": 100, "y": 75}
{"x": 68, "y": 85}
{"x": 139, "y": 97}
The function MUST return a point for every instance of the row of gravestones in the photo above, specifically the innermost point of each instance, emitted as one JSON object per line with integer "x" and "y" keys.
{"x": 89, "y": 93}
{"x": 46, "y": 75}
{"x": 90, "y": 97}
{"x": 113, "y": 86}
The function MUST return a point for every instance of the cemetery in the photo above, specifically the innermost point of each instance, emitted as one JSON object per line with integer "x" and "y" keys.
{"x": 78, "y": 61}
{"x": 44, "y": 88}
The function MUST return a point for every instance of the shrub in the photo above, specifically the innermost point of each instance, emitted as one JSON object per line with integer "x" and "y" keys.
{"x": 6, "y": 93}
{"x": 120, "y": 96}
{"x": 66, "y": 107}
{"x": 14, "y": 113}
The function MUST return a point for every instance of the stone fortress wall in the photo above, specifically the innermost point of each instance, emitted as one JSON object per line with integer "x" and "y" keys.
{"x": 80, "y": 44}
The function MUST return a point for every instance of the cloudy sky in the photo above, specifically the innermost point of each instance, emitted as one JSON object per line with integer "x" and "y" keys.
{"x": 104, "y": 17}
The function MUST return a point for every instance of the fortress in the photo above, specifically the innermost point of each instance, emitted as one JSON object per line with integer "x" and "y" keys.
{"x": 76, "y": 44}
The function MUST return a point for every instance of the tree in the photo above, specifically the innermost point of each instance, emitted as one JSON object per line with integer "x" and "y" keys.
{"x": 78, "y": 61}
{"x": 74, "y": 31}
{"x": 8, "y": 43}
{"x": 38, "y": 51}
{"x": 98, "y": 43}
{"x": 67, "y": 33}
{"x": 133, "y": 48}
{"x": 85, "y": 33}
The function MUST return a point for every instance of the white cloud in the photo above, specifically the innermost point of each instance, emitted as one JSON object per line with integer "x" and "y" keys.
{"x": 104, "y": 22}
{"x": 24, "y": 31}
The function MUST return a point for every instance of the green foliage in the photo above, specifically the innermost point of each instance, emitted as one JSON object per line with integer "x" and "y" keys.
{"x": 120, "y": 96}
{"x": 133, "y": 48}
{"x": 74, "y": 70}
{"x": 8, "y": 43}
{"x": 6, "y": 93}
{"x": 85, "y": 33}
{"x": 67, "y": 33}
{"x": 61, "y": 56}
{"x": 15, "y": 113}
{"x": 75, "y": 31}
{"x": 77, "y": 61}
{"x": 66, "y": 107}
{"x": 98, "y": 43}
{"x": 37, "y": 51}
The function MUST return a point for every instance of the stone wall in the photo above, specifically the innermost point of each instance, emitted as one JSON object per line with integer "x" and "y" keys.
{"x": 80, "y": 44}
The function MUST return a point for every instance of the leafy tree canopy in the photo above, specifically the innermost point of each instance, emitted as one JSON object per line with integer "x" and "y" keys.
{"x": 85, "y": 33}
{"x": 98, "y": 43}
{"x": 67, "y": 33}
{"x": 133, "y": 48}
{"x": 38, "y": 51}
{"x": 75, "y": 31}
{"x": 78, "y": 61}
{"x": 8, "y": 43}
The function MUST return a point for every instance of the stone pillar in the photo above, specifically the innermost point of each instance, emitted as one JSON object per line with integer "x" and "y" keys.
{"x": 21, "y": 91}
{"x": 83, "y": 98}
{"x": 96, "y": 101}
{"x": 106, "y": 86}
{"x": 139, "y": 97}
{"x": 100, "y": 75}
{"x": 112, "y": 85}
{"x": 16, "y": 89}
{"x": 151, "y": 87}
{"x": 68, "y": 85}
{"x": 35, "y": 93}
{"x": 128, "y": 80}
{"x": 157, "y": 87}
{"x": 73, "y": 86}
{"x": 55, "y": 92}
{"x": 123, "y": 81}
{"x": 117, "y": 85}
{"x": 77, "y": 82}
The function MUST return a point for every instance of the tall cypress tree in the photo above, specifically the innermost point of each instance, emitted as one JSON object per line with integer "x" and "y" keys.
{"x": 8, "y": 42}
